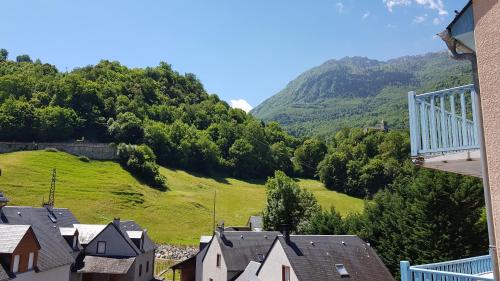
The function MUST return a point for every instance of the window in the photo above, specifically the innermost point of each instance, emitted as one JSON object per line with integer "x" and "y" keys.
{"x": 218, "y": 260}
{"x": 210, "y": 279}
{"x": 15, "y": 265}
{"x": 285, "y": 273}
{"x": 342, "y": 270}
{"x": 101, "y": 247}
{"x": 140, "y": 269}
{"x": 147, "y": 266}
{"x": 74, "y": 242}
{"x": 31, "y": 260}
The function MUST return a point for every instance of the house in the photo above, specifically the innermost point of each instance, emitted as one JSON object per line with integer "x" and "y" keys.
{"x": 42, "y": 253}
{"x": 230, "y": 252}
{"x": 116, "y": 251}
{"x": 458, "y": 130}
{"x": 321, "y": 258}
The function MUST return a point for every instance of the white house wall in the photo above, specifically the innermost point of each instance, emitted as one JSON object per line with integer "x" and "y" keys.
{"x": 271, "y": 269}
{"x": 56, "y": 274}
{"x": 115, "y": 244}
{"x": 210, "y": 269}
{"x": 143, "y": 259}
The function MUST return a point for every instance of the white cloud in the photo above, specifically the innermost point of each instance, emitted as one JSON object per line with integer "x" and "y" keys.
{"x": 392, "y": 3}
{"x": 436, "y": 5}
{"x": 366, "y": 15}
{"x": 340, "y": 7}
{"x": 241, "y": 104}
{"x": 420, "y": 19}
{"x": 437, "y": 21}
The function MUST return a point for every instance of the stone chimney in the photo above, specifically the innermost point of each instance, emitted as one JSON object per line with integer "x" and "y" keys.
{"x": 285, "y": 230}
{"x": 116, "y": 222}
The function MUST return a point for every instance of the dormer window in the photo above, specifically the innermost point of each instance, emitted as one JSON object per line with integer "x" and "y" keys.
{"x": 31, "y": 260}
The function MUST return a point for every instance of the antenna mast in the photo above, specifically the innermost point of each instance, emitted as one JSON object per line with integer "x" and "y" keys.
{"x": 50, "y": 203}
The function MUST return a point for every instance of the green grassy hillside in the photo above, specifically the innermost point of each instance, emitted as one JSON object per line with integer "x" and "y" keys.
{"x": 100, "y": 190}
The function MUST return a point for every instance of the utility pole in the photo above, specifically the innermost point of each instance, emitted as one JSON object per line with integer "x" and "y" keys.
{"x": 213, "y": 223}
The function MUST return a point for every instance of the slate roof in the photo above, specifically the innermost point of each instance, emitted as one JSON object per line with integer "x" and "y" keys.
{"x": 241, "y": 247}
{"x": 55, "y": 251}
{"x": 93, "y": 264}
{"x": 4, "y": 275}
{"x": 10, "y": 236}
{"x": 317, "y": 260}
{"x": 148, "y": 244}
{"x": 87, "y": 232}
{"x": 67, "y": 231}
{"x": 250, "y": 273}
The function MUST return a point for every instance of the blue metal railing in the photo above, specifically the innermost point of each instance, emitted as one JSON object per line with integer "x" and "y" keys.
{"x": 443, "y": 121}
{"x": 471, "y": 269}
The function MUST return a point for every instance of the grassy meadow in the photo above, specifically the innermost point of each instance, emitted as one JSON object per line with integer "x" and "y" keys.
{"x": 100, "y": 190}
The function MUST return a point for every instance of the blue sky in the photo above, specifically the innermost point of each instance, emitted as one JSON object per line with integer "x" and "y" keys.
{"x": 240, "y": 49}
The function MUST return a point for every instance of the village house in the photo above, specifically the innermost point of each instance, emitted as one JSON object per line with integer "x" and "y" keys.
{"x": 50, "y": 244}
{"x": 320, "y": 258}
{"x": 229, "y": 253}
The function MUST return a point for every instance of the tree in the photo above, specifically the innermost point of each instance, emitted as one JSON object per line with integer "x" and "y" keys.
{"x": 16, "y": 120}
{"x": 308, "y": 155}
{"x": 23, "y": 58}
{"x": 54, "y": 123}
{"x": 4, "y": 54}
{"x": 287, "y": 203}
{"x": 126, "y": 128}
{"x": 332, "y": 171}
{"x": 326, "y": 222}
{"x": 140, "y": 160}
{"x": 427, "y": 217}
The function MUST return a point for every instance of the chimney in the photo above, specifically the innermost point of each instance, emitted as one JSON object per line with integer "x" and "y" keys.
{"x": 3, "y": 200}
{"x": 285, "y": 230}
{"x": 116, "y": 222}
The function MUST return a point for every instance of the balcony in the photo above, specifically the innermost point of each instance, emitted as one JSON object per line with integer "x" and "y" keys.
{"x": 471, "y": 269}
{"x": 443, "y": 130}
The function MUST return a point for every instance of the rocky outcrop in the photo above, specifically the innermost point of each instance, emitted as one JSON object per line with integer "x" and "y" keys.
{"x": 178, "y": 253}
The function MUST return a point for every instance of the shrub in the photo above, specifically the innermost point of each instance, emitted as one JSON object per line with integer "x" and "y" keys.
{"x": 84, "y": 159}
{"x": 140, "y": 160}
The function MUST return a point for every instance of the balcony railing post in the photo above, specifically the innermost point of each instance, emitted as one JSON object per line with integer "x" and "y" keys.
{"x": 465, "y": 141}
{"x": 474, "y": 97}
{"x": 412, "y": 109}
{"x": 405, "y": 271}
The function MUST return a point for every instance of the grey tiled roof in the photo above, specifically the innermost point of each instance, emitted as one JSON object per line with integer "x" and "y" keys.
{"x": 54, "y": 251}
{"x": 250, "y": 273}
{"x": 4, "y": 275}
{"x": 93, "y": 264}
{"x": 125, "y": 226}
{"x": 241, "y": 247}
{"x": 10, "y": 236}
{"x": 313, "y": 257}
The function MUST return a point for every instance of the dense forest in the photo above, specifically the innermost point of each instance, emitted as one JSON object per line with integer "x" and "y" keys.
{"x": 359, "y": 92}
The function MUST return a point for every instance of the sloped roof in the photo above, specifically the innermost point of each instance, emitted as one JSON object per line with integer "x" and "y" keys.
{"x": 10, "y": 236}
{"x": 148, "y": 244}
{"x": 241, "y": 247}
{"x": 54, "y": 251}
{"x": 4, "y": 275}
{"x": 313, "y": 257}
{"x": 93, "y": 264}
{"x": 135, "y": 234}
{"x": 68, "y": 231}
{"x": 87, "y": 232}
{"x": 250, "y": 273}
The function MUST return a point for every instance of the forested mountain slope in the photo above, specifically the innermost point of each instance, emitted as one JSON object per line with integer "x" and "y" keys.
{"x": 358, "y": 92}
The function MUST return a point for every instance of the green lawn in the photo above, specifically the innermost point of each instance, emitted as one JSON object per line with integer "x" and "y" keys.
{"x": 100, "y": 190}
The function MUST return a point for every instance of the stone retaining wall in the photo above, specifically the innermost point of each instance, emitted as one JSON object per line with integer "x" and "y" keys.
{"x": 96, "y": 151}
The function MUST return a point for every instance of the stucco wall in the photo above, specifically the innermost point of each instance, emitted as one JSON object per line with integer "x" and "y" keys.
{"x": 210, "y": 269}
{"x": 97, "y": 151}
{"x": 143, "y": 259}
{"x": 56, "y": 274}
{"x": 115, "y": 244}
{"x": 271, "y": 269}
{"x": 487, "y": 36}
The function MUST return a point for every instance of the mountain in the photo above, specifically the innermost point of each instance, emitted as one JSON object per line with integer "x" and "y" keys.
{"x": 359, "y": 92}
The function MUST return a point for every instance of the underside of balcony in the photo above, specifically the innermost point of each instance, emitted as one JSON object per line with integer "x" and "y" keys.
{"x": 465, "y": 162}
